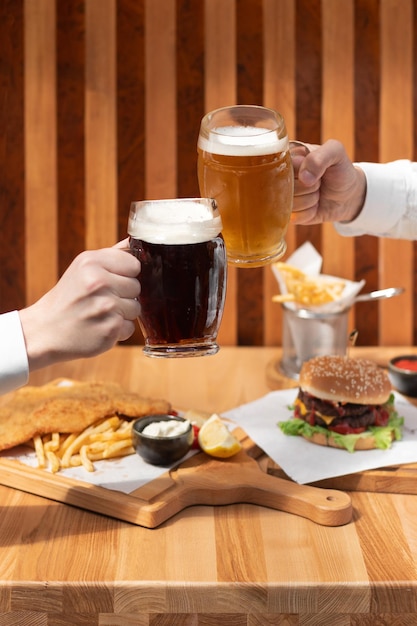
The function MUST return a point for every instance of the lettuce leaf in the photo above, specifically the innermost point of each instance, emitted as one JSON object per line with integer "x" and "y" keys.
{"x": 382, "y": 434}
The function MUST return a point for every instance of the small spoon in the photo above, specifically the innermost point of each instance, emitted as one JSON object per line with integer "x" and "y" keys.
{"x": 352, "y": 340}
{"x": 390, "y": 292}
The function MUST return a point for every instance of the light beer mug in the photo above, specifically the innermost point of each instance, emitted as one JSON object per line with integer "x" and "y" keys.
{"x": 183, "y": 274}
{"x": 244, "y": 163}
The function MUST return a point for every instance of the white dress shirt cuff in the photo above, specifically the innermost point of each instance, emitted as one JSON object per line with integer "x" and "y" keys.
{"x": 14, "y": 366}
{"x": 388, "y": 185}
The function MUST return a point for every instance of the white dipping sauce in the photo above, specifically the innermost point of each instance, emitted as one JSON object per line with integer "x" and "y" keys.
{"x": 166, "y": 428}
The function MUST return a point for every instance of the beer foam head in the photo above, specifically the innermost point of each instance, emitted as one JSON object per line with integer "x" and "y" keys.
{"x": 177, "y": 221}
{"x": 242, "y": 141}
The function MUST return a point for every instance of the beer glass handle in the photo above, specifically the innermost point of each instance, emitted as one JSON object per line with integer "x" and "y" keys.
{"x": 295, "y": 145}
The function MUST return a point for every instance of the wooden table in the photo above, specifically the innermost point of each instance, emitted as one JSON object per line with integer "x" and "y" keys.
{"x": 238, "y": 565}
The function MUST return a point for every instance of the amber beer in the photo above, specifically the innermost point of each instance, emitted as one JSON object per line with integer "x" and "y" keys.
{"x": 183, "y": 275}
{"x": 244, "y": 163}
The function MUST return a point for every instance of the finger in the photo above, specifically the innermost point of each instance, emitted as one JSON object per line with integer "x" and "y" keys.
{"x": 301, "y": 190}
{"x": 126, "y": 330}
{"x": 296, "y": 164}
{"x": 122, "y": 244}
{"x": 305, "y": 201}
{"x": 124, "y": 287}
{"x": 319, "y": 160}
{"x": 129, "y": 309}
{"x": 305, "y": 207}
{"x": 119, "y": 261}
{"x": 305, "y": 216}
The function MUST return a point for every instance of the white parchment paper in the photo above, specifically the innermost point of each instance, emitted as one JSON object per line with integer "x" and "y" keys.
{"x": 307, "y": 259}
{"x": 124, "y": 474}
{"x": 306, "y": 462}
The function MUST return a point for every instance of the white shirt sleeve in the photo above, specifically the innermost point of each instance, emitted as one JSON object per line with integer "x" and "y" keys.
{"x": 14, "y": 366}
{"x": 390, "y": 208}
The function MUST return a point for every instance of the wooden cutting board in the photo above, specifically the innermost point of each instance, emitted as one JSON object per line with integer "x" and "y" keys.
{"x": 201, "y": 480}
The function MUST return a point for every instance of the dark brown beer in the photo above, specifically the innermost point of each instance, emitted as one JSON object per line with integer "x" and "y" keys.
{"x": 182, "y": 290}
{"x": 183, "y": 274}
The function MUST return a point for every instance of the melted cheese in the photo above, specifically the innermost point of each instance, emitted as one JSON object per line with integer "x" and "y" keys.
{"x": 301, "y": 406}
{"x": 328, "y": 419}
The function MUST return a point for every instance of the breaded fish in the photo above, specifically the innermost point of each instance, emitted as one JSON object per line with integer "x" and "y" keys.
{"x": 66, "y": 406}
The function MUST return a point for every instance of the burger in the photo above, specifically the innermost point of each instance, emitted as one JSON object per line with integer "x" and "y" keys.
{"x": 344, "y": 403}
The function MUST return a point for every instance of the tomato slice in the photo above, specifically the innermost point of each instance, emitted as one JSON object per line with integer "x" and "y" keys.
{"x": 345, "y": 429}
{"x": 195, "y": 445}
{"x": 381, "y": 417}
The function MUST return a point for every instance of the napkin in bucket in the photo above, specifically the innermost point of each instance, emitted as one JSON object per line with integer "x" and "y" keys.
{"x": 309, "y": 261}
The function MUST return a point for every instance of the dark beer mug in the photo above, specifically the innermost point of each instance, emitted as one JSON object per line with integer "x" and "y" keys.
{"x": 183, "y": 274}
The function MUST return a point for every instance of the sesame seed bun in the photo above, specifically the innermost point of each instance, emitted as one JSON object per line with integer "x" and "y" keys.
{"x": 344, "y": 379}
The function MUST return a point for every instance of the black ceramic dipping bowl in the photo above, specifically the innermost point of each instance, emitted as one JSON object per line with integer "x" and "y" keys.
{"x": 161, "y": 450}
{"x": 402, "y": 371}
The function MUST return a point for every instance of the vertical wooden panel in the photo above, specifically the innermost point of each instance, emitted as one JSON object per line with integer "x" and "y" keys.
{"x": 220, "y": 54}
{"x": 249, "y": 21}
{"x": 161, "y": 83}
{"x": 220, "y": 90}
{"x": 190, "y": 91}
{"x": 308, "y": 86}
{"x": 40, "y": 148}
{"x": 396, "y": 142}
{"x": 70, "y": 42}
{"x": 101, "y": 202}
{"x": 12, "y": 189}
{"x": 338, "y": 114}
{"x": 279, "y": 59}
{"x": 338, "y": 117}
{"x": 367, "y": 79}
{"x": 130, "y": 108}
{"x": 414, "y": 157}
{"x": 279, "y": 94}
{"x": 130, "y": 99}
{"x": 367, "y": 92}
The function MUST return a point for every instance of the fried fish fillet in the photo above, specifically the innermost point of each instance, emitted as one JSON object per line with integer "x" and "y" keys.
{"x": 66, "y": 406}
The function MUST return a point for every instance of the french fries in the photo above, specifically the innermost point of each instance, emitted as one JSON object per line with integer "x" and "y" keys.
{"x": 307, "y": 290}
{"x": 105, "y": 439}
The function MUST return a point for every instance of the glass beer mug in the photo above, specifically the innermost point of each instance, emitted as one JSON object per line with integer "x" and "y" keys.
{"x": 244, "y": 163}
{"x": 183, "y": 274}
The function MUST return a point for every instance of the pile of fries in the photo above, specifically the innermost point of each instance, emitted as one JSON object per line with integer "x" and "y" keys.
{"x": 105, "y": 439}
{"x": 307, "y": 290}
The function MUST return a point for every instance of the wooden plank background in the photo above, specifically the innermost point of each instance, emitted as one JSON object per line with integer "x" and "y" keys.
{"x": 101, "y": 102}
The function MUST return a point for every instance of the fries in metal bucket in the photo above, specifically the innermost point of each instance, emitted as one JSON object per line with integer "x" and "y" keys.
{"x": 307, "y": 290}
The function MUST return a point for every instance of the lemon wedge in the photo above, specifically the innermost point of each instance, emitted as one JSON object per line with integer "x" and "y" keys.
{"x": 216, "y": 440}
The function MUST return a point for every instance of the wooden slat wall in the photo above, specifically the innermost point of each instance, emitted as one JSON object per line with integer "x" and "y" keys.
{"x": 101, "y": 102}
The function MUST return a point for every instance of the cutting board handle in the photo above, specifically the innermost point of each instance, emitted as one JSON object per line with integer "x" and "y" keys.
{"x": 328, "y": 507}
{"x": 205, "y": 481}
